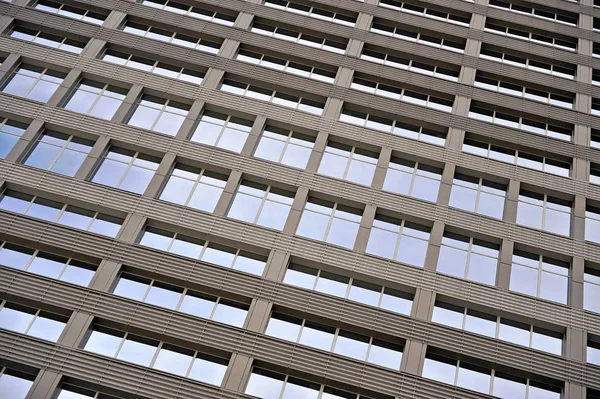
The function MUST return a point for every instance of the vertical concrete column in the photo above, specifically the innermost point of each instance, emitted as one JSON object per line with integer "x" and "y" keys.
{"x": 78, "y": 325}
{"x": 185, "y": 131}
{"x": 161, "y": 175}
{"x": 25, "y": 141}
{"x": 455, "y": 138}
{"x": 363, "y": 22}
{"x": 383, "y": 162}
{"x": 228, "y": 192}
{"x": 45, "y": 385}
{"x": 258, "y": 315}
{"x": 575, "y": 344}
{"x": 133, "y": 225}
{"x": 254, "y": 136}
{"x": 433, "y": 248}
{"x": 574, "y": 391}
{"x": 366, "y": 223}
{"x": 578, "y": 225}
{"x": 293, "y": 219}
{"x": 512, "y": 201}
{"x": 333, "y": 107}
{"x": 95, "y": 155}
{"x": 65, "y": 87}
{"x": 446, "y": 186}
{"x": 276, "y": 265}
{"x": 114, "y": 19}
{"x": 212, "y": 78}
{"x": 576, "y": 281}
{"x": 423, "y": 304}
{"x": 94, "y": 47}
{"x": 21, "y": 2}
{"x": 317, "y": 152}
{"x": 8, "y": 66}
{"x": 128, "y": 103}
{"x": 5, "y": 22}
{"x": 344, "y": 77}
{"x": 228, "y": 48}
{"x": 105, "y": 275}
{"x": 244, "y": 20}
{"x": 505, "y": 264}
{"x": 413, "y": 357}
{"x": 238, "y": 372}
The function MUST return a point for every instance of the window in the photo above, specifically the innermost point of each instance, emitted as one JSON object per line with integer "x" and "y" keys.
{"x": 349, "y": 163}
{"x": 413, "y": 178}
{"x": 193, "y": 187}
{"x": 486, "y": 381}
{"x": 47, "y": 39}
{"x": 594, "y": 173}
{"x": 592, "y": 224}
{"x": 498, "y": 327}
{"x": 34, "y": 83}
{"x": 330, "y": 222}
{"x": 276, "y": 97}
{"x": 180, "y": 299}
{"x": 508, "y": 155}
{"x": 440, "y": 15}
{"x": 75, "y": 392}
{"x": 335, "y": 340}
{"x": 223, "y": 131}
{"x": 33, "y": 322}
{"x": 172, "y": 37}
{"x": 593, "y": 352}
{"x": 157, "y": 355}
{"x": 61, "y": 213}
{"x": 413, "y": 35}
{"x": 261, "y": 204}
{"x": 284, "y": 146}
{"x": 447, "y": 72}
{"x": 541, "y": 37}
{"x": 15, "y": 382}
{"x": 522, "y": 123}
{"x": 482, "y": 80}
{"x": 349, "y": 288}
{"x": 45, "y": 264}
{"x": 96, "y": 99}
{"x": 160, "y": 115}
{"x": 478, "y": 195}
{"x": 595, "y": 138}
{"x": 59, "y": 153}
{"x": 266, "y": 384}
{"x": 591, "y": 290}
{"x": 595, "y": 106}
{"x": 395, "y": 127}
{"x": 566, "y": 71}
{"x": 206, "y": 251}
{"x": 544, "y": 212}
{"x": 324, "y": 75}
{"x": 195, "y": 12}
{"x": 402, "y": 94}
{"x": 10, "y": 133}
{"x": 400, "y": 240}
{"x": 469, "y": 258}
{"x": 335, "y": 46}
{"x": 546, "y": 13}
{"x": 302, "y": 9}
{"x": 126, "y": 170}
{"x": 148, "y": 65}
{"x": 539, "y": 276}
{"x": 69, "y": 11}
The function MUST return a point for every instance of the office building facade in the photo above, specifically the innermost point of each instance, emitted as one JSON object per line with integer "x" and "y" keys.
{"x": 380, "y": 199}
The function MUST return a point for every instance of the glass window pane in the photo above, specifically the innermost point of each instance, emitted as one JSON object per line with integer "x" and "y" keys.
{"x": 207, "y": 371}
{"x": 263, "y": 386}
{"x": 102, "y": 343}
{"x": 45, "y": 328}
{"x": 172, "y": 362}
{"x": 232, "y": 315}
{"x": 15, "y": 320}
{"x": 137, "y": 352}
{"x": 15, "y": 386}
{"x": 439, "y": 371}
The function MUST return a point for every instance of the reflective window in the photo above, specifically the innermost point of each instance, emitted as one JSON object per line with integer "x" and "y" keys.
{"x": 301, "y": 38}
{"x": 75, "y": 392}
{"x": 438, "y": 14}
{"x": 284, "y": 146}
{"x": 594, "y": 173}
{"x": 469, "y": 258}
{"x": 194, "y": 187}
{"x": 498, "y": 327}
{"x": 70, "y": 11}
{"x": 45, "y": 264}
{"x": 593, "y": 352}
{"x": 384, "y": 27}
{"x": 400, "y": 240}
{"x": 592, "y": 224}
{"x": 415, "y": 179}
{"x": 183, "y": 300}
{"x": 59, "y": 153}
{"x": 302, "y": 9}
{"x": 15, "y": 382}
{"x": 330, "y": 222}
{"x": 34, "y": 83}
{"x": 520, "y": 158}
{"x": 336, "y": 340}
{"x": 223, "y": 131}
{"x": 148, "y": 65}
{"x": 96, "y": 99}
{"x": 591, "y": 290}
{"x": 192, "y": 11}
{"x": 324, "y": 75}
{"x": 261, "y": 204}
{"x": 540, "y": 276}
{"x": 126, "y": 170}
{"x": 10, "y": 132}
{"x": 349, "y": 163}
{"x": 61, "y": 213}
{"x": 30, "y": 321}
{"x": 276, "y": 97}
{"x": 544, "y": 212}
{"x": 157, "y": 355}
{"x": 206, "y": 251}
{"x": 595, "y": 138}
{"x": 172, "y": 37}
{"x": 349, "y": 288}
{"x": 551, "y": 14}
{"x": 478, "y": 195}
{"x": 545, "y": 38}
{"x": 47, "y": 39}
{"x": 392, "y": 126}
{"x": 160, "y": 115}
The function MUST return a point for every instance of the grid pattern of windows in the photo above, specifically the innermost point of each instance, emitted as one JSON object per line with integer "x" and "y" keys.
{"x": 349, "y": 163}
{"x": 70, "y": 11}
{"x": 171, "y": 37}
{"x": 478, "y": 195}
{"x": 411, "y": 8}
{"x": 544, "y": 212}
{"x": 499, "y": 55}
{"x": 126, "y": 170}
{"x": 160, "y": 115}
{"x": 96, "y": 99}
{"x": 47, "y": 39}
{"x": 416, "y": 179}
{"x": 30, "y": 321}
{"x": 264, "y": 205}
{"x": 563, "y": 17}
{"x": 59, "y": 153}
{"x": 10, "y": 132}
{"x": 34, "y": 83}
{"x": 591, "y": 290}
{"x": 285, "y": 146}
{"x": 191, "y": 11}
{"x": 220, "y": 130}
{"x": 542, "y": 37}
{"x": 540, "y": 276}
{"x": 15, "y": 382}
{"x": 299, "y": 37}
{"x": 193, "y": 187}
{"x": 384, "y": 28}
{"x": 313, "y": 12}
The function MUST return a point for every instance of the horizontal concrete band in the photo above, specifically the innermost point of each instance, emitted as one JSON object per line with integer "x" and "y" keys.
{"x": 189, "y": 332}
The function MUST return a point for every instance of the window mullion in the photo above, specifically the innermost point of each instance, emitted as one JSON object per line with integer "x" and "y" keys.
{"x": 156, "y": 352}
{"x": 123, "y": 339}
